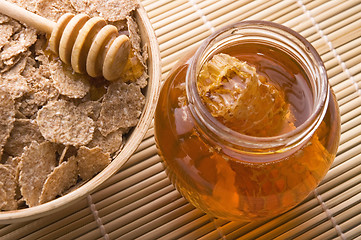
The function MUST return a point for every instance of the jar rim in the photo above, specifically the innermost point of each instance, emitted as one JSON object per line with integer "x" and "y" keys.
{"x": 272, "y": 144}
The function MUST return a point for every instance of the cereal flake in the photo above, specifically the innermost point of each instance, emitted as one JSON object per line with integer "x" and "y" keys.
{"x": 135, "y": 68}
{"x": 54, "y": 9}
{"x": 133, "y": 34}
{"x": 108, "y": 9}
{"x": 6, "y": 31}
{"x": 69, "y": 83}
{"x": 16, "y": 85}
{"x": 27, "y": 4}
{"x": 91, "y": 108}
{"x": 8, "y": 187}
{"x": 121, "y": 107}
{"x": 59, "y": 180}
{"x": 37, "y": 161}
{"x": 23, "y": 133}
{"x": 91, "y": 161}
{"x": 42, "y": 91}
{"x": 111, "y": 143}
{"x": 62, "y": 122}
{"x": 7, "y": 117}
{"x": 19, "y": 44}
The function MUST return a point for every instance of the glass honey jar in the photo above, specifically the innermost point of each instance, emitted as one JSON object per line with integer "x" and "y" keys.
{"x": 246, "y": 170}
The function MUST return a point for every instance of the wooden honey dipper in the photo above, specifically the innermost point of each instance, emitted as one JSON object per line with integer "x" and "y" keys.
{"x": 89, "y": 45}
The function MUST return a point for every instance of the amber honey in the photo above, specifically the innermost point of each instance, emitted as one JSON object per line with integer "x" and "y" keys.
{"x": 242, "y": 183}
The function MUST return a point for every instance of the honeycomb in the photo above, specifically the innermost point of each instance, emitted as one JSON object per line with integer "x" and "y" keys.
{"x": 242, "y": 99}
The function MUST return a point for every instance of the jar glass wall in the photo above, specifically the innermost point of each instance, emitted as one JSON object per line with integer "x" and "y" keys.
{"x": 236, "y": 176}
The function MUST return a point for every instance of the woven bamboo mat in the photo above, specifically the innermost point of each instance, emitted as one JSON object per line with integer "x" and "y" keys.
{"x": 139, "y": 201}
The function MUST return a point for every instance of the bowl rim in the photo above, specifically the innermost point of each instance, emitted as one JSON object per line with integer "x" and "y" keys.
{"x": 147, "y": 35}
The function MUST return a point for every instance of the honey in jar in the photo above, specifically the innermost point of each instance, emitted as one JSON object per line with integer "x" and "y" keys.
{"x": 247, "y": 125}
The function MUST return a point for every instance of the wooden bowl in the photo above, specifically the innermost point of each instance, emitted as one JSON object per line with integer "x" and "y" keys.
{"x": 134, "y": 139}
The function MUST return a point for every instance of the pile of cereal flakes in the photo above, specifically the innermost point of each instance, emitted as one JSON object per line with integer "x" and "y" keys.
{"x": 58, "y": 128}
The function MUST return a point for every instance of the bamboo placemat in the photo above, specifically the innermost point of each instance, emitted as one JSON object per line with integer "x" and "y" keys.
{"x": 139, "y": 201}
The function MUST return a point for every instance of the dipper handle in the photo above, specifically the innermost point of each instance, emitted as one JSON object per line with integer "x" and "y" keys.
{"x": 22, "y": 15}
